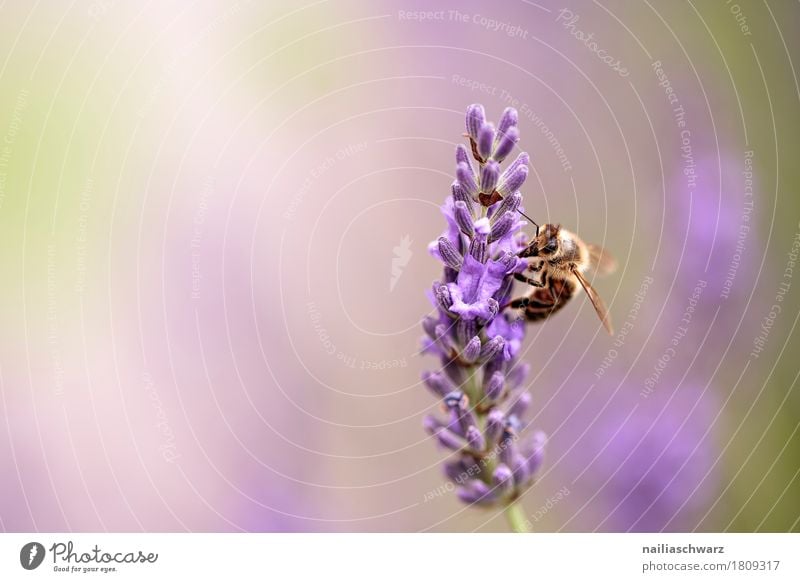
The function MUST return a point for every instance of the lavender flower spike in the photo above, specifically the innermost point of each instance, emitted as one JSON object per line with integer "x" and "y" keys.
{"x": 493, "y": 457}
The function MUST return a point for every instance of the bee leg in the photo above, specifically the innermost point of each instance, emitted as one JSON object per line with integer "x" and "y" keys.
{"x": 530, "y": 281}
{"x": 524, "y": 279}
{"x": 519, "y": 303}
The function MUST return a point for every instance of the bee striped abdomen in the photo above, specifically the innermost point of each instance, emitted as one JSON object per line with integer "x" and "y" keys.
{"x": 544, "y": 302}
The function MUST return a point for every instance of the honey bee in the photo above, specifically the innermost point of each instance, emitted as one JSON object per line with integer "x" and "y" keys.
{"x": 557, "y": 259}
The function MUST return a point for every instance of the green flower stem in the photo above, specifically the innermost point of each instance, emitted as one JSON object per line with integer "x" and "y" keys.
{"x": 471, "y": 387}
{"x": 516, "y": 518}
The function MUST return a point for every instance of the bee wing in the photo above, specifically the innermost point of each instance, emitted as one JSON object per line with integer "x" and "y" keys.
{"x": 601, "y": 260}
{"x": 597, "y": 302}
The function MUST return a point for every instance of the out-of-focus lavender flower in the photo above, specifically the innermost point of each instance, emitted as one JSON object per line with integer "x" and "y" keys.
{"x": 718, "y": 257}
{"x": 481, "y": 384}
{"x": 655, "y": 471}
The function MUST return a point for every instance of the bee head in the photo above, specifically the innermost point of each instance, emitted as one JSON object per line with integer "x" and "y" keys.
{"x": 549, "y": 240}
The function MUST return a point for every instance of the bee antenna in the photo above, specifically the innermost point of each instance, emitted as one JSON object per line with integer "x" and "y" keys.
{"x": 532, "y": 220}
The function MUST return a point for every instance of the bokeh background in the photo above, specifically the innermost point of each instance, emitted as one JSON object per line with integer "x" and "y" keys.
{"x": 201, "y": 207}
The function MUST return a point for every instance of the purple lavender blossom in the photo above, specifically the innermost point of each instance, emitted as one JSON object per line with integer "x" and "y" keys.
{"x": 481, "y": 384}
{"x": 654, "y": 470}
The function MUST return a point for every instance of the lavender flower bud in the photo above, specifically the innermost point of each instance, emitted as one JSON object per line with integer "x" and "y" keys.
{"x": 459, "y": 195}
{"x": 449, "y": 439}
{"x": 464, "y": 219}
{"x": 475, "y": 439}
{"x": 437, "y": 384}
{"x": 455, "y": 470}
{"x": 520, "y": 405}
{"x": 443, "y": 340}
{"x": 431, "y": 424}
{"x": 476, "y": 117}
{"x": 517, "y": 375}
{"x": 509, "y": 119}
{"x": 466, "y": 179}
{"x": 536, "y": 453}
{"x": 494, "y": 386}
{"x": 472, "y": 466}
{"x": 509, "y": 204}
{"x": 502, "y": 227}
{"x": 475, "y": 492}
{"x": 465, "y": 329}
{"x": 443, "y": 298}
{"x": 494, "y": 308}
{"x": 519, "y": 468}
{"x": 454, "y": 423}
{"x": 477, "y": 247}
{"x": 471, "y": 351}
{"x": 505, "y": 144}
{"x": 449, "y": 254}
{"x": 491, "y": 367}
{"x": 458, "y": 404}
{"x": 495, "y": 425}
{"x": 454, "y": 372}
{"x": 466, "y": 420}
{"x": 512, "y": 180}
{"x": 508, "y": 447}
{"x": 489, "y": 177}
{"x": 493, "y": 347}
{"x": 463, "y": 156}
{"x": 503, "y": 479}
{"x": 429, "y": 324}
{"x": 521, "y": 160}
{"x": 485, "y": 140}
